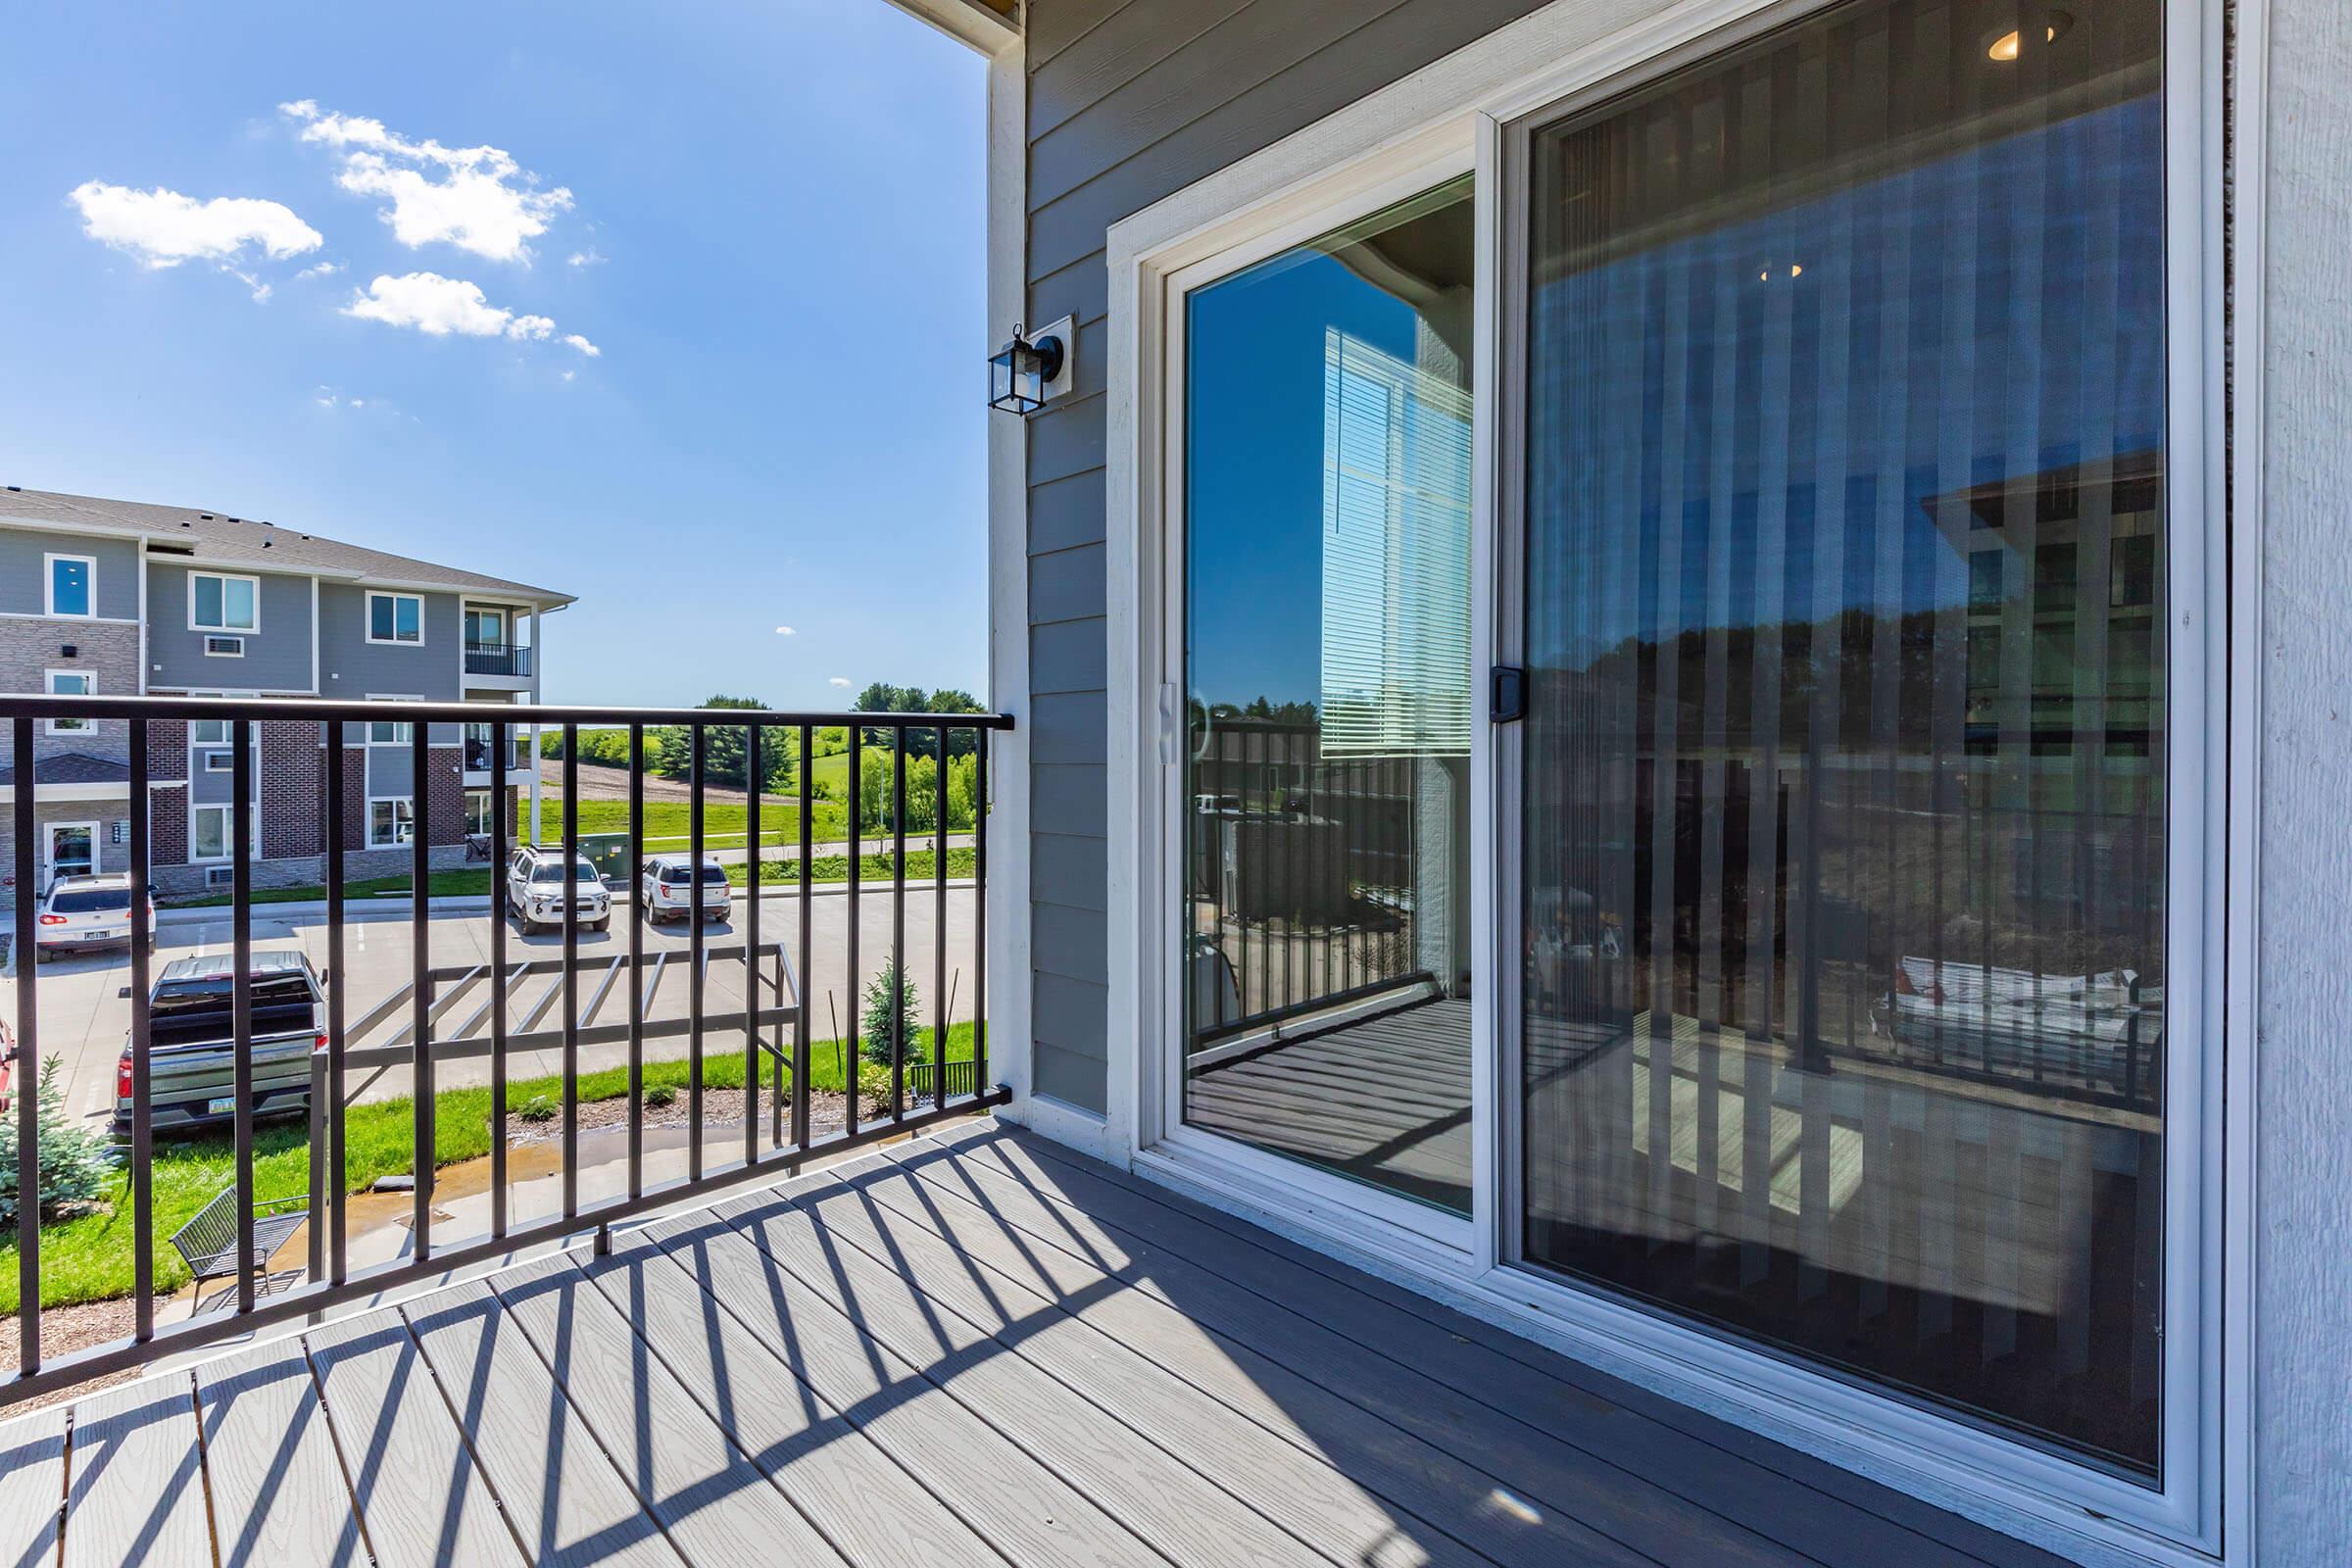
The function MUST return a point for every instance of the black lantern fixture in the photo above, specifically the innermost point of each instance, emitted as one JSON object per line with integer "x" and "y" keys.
{"x": 1019, "y": 372}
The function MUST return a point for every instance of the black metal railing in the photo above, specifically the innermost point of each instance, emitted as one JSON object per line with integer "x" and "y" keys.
{"x": 499, "y": 659}
{"x": 455, "y": 1015}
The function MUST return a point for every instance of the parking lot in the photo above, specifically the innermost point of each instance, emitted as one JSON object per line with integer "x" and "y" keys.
{"x": 85, "y": 1013}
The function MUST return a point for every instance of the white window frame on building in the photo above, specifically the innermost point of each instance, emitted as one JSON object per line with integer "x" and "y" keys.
{"x": 222, "y": 623}
{"x": 415, "y": 638}
{"x": 89, "y": 585}
{"x": 400, "y": 820}
{"x": 394, "y": 732}
{"x": 227, "y": 812}
{"x": 87, "y": 687}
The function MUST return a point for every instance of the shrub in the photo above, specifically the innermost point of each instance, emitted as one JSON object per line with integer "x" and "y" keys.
{"x": 661, "y": 1095}
{"x": 74, "y": 1166}
{"x": 888, "y": 1021}
{"x": 539, "y": 1108}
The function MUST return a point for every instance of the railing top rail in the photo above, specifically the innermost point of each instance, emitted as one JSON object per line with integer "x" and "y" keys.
{"x": 330, "y": 710}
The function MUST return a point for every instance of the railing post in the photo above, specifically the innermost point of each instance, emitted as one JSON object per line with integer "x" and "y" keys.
{"x": 27, "y": 959}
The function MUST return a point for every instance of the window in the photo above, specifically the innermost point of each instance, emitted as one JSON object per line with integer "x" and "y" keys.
{"x": 1831, "y": 1035}
{"x": 485, "y": 628}
{"x": 73, "y": 683}
{"x": 214, "y": 731}
{"x": 480, "y": 816}
{"x": 395, "y": 619}
{"x": 218, "y": 602}
{"x": 385, "y": 732}
{"x": 210, "y": 834}
{"x": 72, "y": 586}
{"x": 390, "y": 823}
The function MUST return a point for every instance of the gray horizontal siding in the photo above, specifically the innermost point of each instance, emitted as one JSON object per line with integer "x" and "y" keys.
{"x": 353, "y": 667}
{"x": 276, "y": 657}
{"x": 1127, "y": 103}
{"x": 25, "y": 571}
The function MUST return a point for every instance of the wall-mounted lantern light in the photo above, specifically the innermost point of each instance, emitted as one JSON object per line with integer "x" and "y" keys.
{"x": 1027, "y": 372}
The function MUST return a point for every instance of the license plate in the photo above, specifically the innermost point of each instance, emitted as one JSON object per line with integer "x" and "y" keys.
{"x": 97, "y": 935}
{"x": 221, "y": 1106}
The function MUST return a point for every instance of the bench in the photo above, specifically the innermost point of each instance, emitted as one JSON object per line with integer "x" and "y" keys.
{"x": 208, "y": 1244}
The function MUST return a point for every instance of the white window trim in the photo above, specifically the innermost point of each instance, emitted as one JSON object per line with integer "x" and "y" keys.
{"x": 48, "y": 843}
{"x": 49, "y": 608}
{"x": 367, "y": 625}
{"x": 69, "y": 726}
{"x": 395, "y": 842}
{"x": 1296, "y": 189}
{"x": 226, "y": 579}
{"x": 490, "y": 807}
{"x": 368, "y": 729}
{"x": 228, "y": 810}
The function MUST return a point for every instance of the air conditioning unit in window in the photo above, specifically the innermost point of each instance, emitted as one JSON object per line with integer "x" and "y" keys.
{"x": 220, "y": 876}
{"x": 224, "y": 647}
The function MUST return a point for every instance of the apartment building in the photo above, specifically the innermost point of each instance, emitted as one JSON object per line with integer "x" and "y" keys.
{"x": 106, "y": 598}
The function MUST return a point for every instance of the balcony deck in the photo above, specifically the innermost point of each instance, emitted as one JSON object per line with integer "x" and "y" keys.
{"x": 967, "y": 1350}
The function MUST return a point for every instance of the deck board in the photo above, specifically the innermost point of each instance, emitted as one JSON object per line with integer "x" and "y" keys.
{"x": 134, "y": 1487}
{"x": 553, "y": 1479}
{"x": 1032, "y": 1515}
{"x": 270, "y": 1464}
{"x": 421, "y": 1498}
{"x": 980, "y": 1350}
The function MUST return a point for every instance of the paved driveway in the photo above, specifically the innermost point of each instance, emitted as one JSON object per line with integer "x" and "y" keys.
{"x": 85, "y": 1017}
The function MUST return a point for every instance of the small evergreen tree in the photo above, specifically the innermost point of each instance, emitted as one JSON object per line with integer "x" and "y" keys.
{"x": 74, "y": 1159}
{"x": 889, "y": 1017}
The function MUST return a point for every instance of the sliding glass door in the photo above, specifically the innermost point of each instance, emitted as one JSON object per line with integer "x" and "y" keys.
{"x": 1842, "y": 813}
{"x": 1324, "y": 910}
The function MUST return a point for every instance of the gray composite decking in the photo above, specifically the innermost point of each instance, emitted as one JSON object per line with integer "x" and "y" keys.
{"x": 973, "y": 1350}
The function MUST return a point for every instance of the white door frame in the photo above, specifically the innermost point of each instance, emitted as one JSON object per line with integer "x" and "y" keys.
{"x": 48, "y": 842}
{"x": 1458, "y": 106}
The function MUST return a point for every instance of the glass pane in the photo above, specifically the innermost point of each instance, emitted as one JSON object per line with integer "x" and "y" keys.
{"x": 406, "y": 618}
{"x": 237, "y": 594}
{"x": 207, "y": 601}
{"x": 1329, "y": 688}
{"x": 211, "y": 833}
{"x": 69, "y": 587}
{"x": 379, "y": 617}
{"x": 1844, "y": 819}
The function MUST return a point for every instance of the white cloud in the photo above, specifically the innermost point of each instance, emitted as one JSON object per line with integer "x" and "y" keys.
{"x": 438, "y": 306}
{"x": 584, "y": 345}
{"x": 785, "y": 631}
{"x": 591, "y": 256}
{"x": 475, "y": 198}
{"x": 322, "y": 269}
{"x": 842, "y": 681}
{"x": 164, "y": 228}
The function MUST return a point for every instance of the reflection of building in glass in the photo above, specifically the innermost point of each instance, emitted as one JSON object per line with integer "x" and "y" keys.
{"x": 1396, "y": 551}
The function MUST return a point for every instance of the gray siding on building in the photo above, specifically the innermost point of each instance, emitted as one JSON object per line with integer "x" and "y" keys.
{"x": 1129, "y": 103}
{"x": 276, "y": 657}
{"x": 23, "y": 572}
{"x": 351, "y": 667}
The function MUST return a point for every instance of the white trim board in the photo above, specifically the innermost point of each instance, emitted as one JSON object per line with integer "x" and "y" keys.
{"x": 1289, "y": 189}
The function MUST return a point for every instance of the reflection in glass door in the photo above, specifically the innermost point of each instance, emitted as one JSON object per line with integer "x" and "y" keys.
{"x": 1329, "y": 689}
{"x": 1841, "y": 1009}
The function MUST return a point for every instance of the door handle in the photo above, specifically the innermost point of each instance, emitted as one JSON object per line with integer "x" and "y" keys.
{"x": 1507, "y": 699}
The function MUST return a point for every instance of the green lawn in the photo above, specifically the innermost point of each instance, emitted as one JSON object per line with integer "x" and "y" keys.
{"x": 667, "y": 824}
{"x": 90, "y": 1258}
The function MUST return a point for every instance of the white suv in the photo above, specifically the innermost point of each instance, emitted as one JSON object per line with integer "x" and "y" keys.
{"x": 535, "y": 890}
{"x": 89, "y": 912}
{"x": 666, "y": 888}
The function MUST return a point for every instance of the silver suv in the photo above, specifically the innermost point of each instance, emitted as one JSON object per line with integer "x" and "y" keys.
{"x": 535, "y": 890}
{"x": 666, "y": 887}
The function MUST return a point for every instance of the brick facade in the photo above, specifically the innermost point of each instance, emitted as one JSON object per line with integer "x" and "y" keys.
{"x": 286, "y": 787}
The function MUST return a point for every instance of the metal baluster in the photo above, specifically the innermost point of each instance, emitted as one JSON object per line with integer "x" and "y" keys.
{"x": 754, "y": 784}
{"x": 420, "y": 1027}
{"x": 240, "y": 817}
{"x": 800, "y": 1024}
{"x": 939, "y": 925}
{"x": 28, "y": 1070}
{"x": 981, "y": 796}
{"x": 693, "y": 963}
{"x": 639, "y": 914}
{"x": 499, "y": 813}
{"x": 142, "y": 1031}
{"x": 855, "y": 918}
{"x": 338, "y": 992}
{"x": 897, "y": 923}
{"x": 570, "y": 884}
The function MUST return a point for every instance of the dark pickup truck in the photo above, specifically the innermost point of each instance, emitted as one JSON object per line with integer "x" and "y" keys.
{"x": 192, "y": 1055}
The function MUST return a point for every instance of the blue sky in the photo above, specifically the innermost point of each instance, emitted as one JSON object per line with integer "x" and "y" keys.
{"x": 767, "y": 218}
